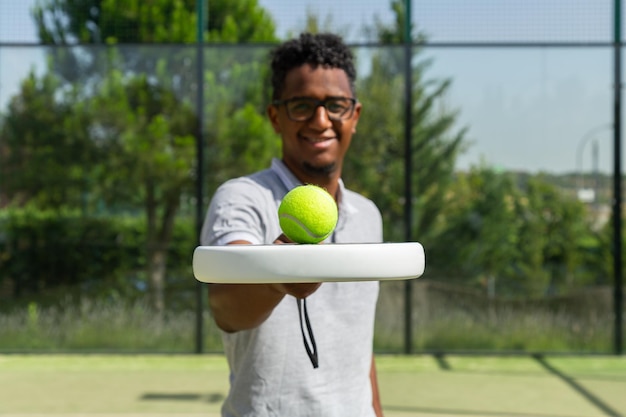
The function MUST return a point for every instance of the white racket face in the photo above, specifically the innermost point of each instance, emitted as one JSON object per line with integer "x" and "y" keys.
{"x": 289, "y": 263}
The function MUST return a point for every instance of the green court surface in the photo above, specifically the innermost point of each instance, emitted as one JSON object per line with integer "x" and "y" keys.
{"x": 419, "y": 385}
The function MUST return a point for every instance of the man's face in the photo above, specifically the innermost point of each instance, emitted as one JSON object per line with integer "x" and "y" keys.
{"x": 314, "y": 148}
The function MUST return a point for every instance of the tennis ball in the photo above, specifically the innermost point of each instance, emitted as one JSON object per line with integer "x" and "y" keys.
{"x": 307, "y": 214}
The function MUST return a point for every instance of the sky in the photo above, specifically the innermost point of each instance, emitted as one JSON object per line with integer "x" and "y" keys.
{"x": 526, "y": 108}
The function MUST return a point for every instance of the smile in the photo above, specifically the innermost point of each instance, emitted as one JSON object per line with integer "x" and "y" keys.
{"x": 317, "y": 140}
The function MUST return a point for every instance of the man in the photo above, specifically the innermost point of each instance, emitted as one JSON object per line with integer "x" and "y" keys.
{"x": 315, "y": 112}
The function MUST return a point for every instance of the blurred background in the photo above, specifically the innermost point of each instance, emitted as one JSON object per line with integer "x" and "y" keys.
{"x": 490, "y": 133}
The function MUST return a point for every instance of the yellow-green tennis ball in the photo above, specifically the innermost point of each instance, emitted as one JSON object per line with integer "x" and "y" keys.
{"x": 307, "y": 214}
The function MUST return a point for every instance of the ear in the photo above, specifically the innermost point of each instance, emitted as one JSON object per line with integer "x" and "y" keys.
{"x": 356, "y": 116}
{"x": 272, "y": 114}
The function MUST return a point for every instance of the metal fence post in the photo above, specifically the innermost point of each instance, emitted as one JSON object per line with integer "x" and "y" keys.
{"x": 408, "y": 162}
{"x": 617, "y": 179}
{"x": 200, "y": 287}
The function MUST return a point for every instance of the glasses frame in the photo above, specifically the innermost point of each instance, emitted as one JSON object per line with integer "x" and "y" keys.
{"x": 317, "y": 103}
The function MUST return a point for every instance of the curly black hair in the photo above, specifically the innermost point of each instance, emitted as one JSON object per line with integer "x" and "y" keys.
{"x": 325, "y": 49}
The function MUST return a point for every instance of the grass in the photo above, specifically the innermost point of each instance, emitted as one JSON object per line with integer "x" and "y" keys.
{"x": 102, "y": 326}
{"x": 501, "y": 386}
{"x": 442, "y": 321}
{"x": 450, "y": 318}
{"x": 117, "y": 384}
{"x": 419, "y": 385}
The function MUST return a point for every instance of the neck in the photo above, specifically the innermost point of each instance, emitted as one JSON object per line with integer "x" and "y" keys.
{"x": 327, "y": 179}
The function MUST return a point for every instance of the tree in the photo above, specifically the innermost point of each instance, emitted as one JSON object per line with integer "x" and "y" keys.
{"x": 150, "y": 132}
{"x": 63, "y": 22}
{"x": 377, "y": 160}
{"x": 480, "y": 238}
{"x": 141, "y": 114}
{"x": 564, "y": 230}
{"x": 46, "y": 157}
{"x": 240, "y": 139}
{"x": 511, "y": 236}
{"x": 242, "y": 21}
{"x": 121, "y": 22}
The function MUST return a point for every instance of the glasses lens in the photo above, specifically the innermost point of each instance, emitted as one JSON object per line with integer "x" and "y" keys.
{"x": 338, "y": 107}
{"x": 301, "y": 109}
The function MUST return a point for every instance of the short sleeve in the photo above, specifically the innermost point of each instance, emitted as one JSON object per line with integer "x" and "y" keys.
{"x": 234, "y": 214}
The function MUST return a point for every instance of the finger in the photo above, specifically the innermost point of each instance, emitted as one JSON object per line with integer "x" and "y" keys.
{"x": 283, "y": 239}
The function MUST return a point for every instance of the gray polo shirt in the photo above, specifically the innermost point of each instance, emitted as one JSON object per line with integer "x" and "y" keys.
{"x": 270, "y": 371}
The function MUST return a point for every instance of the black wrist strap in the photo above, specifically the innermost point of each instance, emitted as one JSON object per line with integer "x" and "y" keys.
{"x": 312, "y": 349}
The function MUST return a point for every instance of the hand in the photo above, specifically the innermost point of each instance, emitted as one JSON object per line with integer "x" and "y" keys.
{"x": 299, "y": 290}
{"x": 283, "y": 239}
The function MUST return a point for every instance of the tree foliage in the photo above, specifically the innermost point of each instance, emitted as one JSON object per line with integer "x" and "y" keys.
{"x": 124, "y": 23}
{"x": 151, "y": 134}
{"x": 511, "y": 237}
{"x": 242, "y": 21}
{"x": 46, "y": 158}
{"x": 62, "y": 22}
{"x": 239, "y": 137}
{"x": 113, "y": 129}
{"x": 138, "y": 104}
{"x": 377, "y": 162}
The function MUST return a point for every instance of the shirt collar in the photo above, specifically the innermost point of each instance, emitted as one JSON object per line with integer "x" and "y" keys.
{"x": 286, "y": 176}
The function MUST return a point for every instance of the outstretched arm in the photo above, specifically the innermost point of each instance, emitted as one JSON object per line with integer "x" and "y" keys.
{"x": 245, "y": 306}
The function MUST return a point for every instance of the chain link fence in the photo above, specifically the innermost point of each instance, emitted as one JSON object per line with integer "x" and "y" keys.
{"x": 528, "y": 85}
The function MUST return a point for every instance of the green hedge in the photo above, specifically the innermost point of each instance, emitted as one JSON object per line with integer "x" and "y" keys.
{"x": 44, "y": 250}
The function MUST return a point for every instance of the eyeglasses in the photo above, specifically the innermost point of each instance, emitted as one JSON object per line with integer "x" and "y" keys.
{"x": 301, "y": 109}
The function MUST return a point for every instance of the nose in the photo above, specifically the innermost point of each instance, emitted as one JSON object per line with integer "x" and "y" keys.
{"x": 320, "y": 118}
